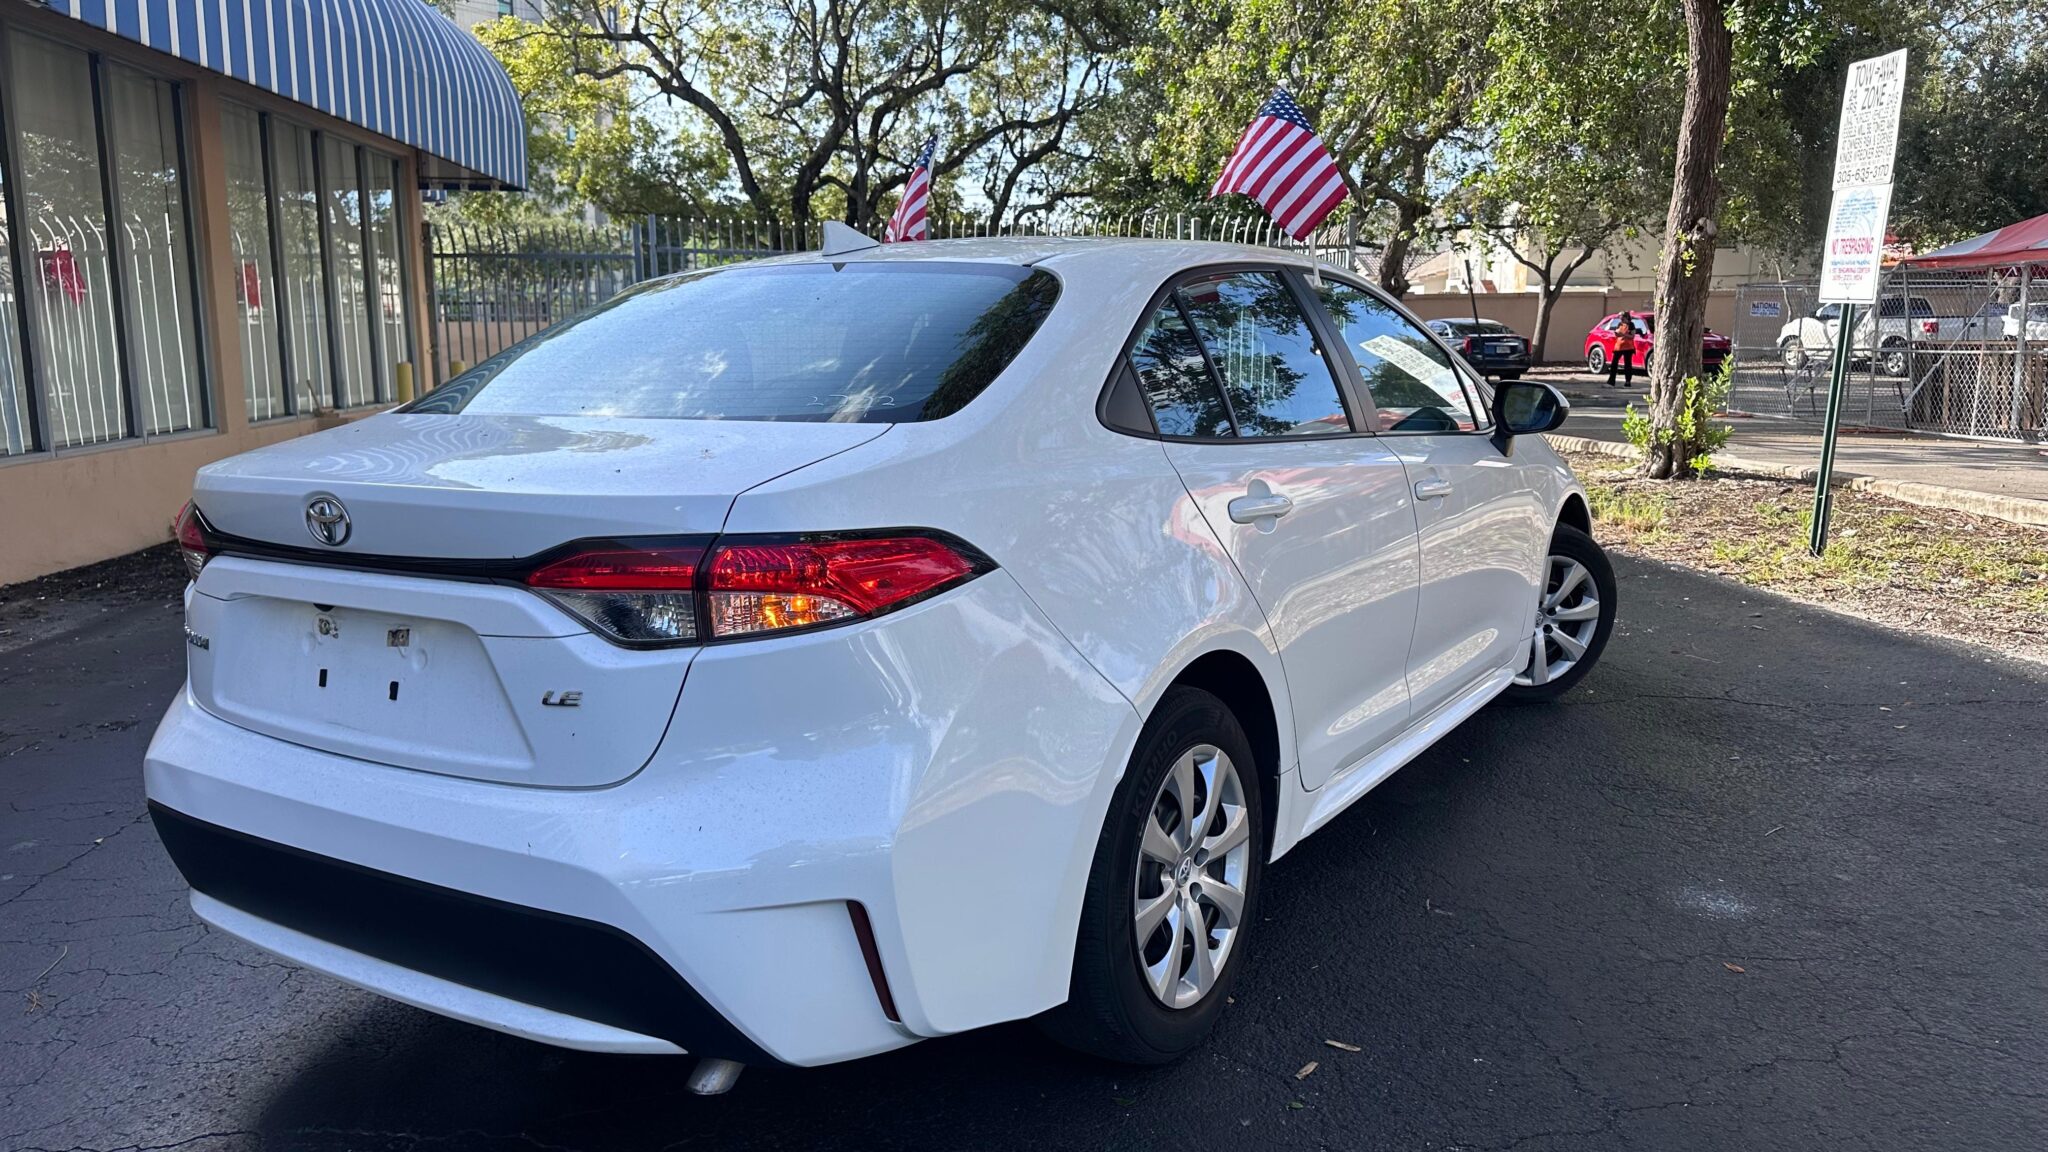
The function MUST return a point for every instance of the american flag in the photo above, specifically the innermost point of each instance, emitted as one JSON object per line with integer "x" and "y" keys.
{"x": 1281, "y": 163}
{"x": 912, "y": 220}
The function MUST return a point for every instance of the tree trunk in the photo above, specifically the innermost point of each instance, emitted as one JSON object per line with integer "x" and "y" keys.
{"x": 1687, "y": 263}
{"x": 1394, "y": 257}
{"x": 1539, "y": 340}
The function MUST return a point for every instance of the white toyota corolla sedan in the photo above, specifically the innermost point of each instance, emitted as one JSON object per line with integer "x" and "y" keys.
{"x": 791, "y": 661}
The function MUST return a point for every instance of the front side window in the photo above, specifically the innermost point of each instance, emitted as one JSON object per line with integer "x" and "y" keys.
{"x": 880, "y": 342}
{"x": 1265, "y": 353}
{"x": 1410, "y": 377}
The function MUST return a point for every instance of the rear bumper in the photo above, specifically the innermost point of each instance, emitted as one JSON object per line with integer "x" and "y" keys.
{"x": 946, "y": 768}
{"x": 436, "y": 947}
{"x": 1492, "y": 365}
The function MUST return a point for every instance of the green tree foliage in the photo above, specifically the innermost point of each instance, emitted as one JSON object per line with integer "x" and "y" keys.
{"x": 589, "y": 139}
{"x": 1389, "y": 84}
{"x": 1973, "y": 155}
{"x": 1571, "y": 153}
{"x": 818, "y": 106}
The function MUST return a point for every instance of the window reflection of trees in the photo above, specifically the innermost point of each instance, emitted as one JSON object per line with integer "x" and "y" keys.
{"x": 1184, "y": 397}
{"x": 1250, "y": 323}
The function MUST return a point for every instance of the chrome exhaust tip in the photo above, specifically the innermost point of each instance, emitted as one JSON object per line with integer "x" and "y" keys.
{"x": 711, "y": 1077}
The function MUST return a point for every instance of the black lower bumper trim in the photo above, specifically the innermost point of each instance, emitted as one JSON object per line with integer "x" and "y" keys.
{"x": 562, "y": 963}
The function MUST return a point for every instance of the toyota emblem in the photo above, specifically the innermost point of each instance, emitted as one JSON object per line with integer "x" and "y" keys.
{"x": 327, "y": 520}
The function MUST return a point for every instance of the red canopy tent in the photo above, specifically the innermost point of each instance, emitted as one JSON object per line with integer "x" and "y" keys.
{"x": 2023, "y": 243}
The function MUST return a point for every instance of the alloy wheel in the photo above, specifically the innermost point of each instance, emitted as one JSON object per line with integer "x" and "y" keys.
{"x": 1567, "y": 615}
{"x": 1188, "y": 897}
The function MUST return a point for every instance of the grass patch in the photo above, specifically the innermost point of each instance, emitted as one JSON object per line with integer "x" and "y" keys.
{"x": 1934, "y": 570}
{"x": 1634, "y": 509}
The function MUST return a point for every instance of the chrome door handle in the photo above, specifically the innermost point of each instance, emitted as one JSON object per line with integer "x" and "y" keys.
{"x": 1249, "y": 509}
{"x": 1434, "y": 488}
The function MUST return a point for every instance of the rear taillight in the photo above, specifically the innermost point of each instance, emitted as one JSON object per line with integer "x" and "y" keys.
{"x": 192, "y": 542}
{"x": 636, "y": 593}
{"x": 1466, "y": 347}
{"x": 653, "y": 593}
{"x": 775, "y": 585}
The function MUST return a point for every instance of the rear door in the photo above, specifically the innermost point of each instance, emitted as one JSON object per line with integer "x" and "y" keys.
{"x": 1315, "y": 514}
{"x": 1482, "y": 525}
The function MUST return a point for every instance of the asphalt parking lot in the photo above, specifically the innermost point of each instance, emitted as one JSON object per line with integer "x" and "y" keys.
{"x": 1770, "y": 878}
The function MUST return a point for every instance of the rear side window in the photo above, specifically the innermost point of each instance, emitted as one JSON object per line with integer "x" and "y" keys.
{"x": 1184, "y": 397}
{"x": 1278, "y": 382}
{"x": 879, "y": 342}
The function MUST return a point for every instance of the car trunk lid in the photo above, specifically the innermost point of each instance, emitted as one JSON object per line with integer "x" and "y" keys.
{"x": 405, "y": 643}
{"x": 500, "y": 487}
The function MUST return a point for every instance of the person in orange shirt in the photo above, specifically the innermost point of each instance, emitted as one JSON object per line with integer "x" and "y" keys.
{"x": 1624, "y": 357}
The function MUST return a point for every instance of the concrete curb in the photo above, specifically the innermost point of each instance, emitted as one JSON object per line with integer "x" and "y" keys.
{"x": 2014, "y": 509}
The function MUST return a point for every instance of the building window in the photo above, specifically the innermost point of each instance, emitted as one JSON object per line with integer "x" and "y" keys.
{"x": 100, "y": 255}
{"x": 329, "y": 211}
{"x": 305, "y": 269}
{"x": 71, "y": 281}
{"x": 504, "y": 7}
{"x": 17, "y": 418}
{"x": 387, "y": 243}
{"x": 252, "y": 242}
{"x": 159, "y": 291}
{"x": 354, "y": 358}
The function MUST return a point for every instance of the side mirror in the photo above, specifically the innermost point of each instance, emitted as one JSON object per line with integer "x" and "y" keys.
{"x": 1525, "y": 408}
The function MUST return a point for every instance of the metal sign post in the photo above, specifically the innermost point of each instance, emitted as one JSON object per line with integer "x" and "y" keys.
{"x": 1823, "y": 492}
{"x": 1852, "y": 261}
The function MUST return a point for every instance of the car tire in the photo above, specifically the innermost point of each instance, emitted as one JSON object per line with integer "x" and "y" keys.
{"x": 1891, "y": 358}
{"x": 1112, "y": 1010}
{"x": 1559, "y": 629}
{"x": 1596, "y": 359}
{"x": 1792, "y": 353}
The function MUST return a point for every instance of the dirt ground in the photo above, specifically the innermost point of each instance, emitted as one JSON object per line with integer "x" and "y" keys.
{"x": 1949, "y": 574}
{"x": 57, "y": 603}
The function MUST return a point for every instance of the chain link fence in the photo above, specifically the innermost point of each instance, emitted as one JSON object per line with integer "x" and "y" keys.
{"x": 1941, "y": 352}
{"x": 492, "y": 287}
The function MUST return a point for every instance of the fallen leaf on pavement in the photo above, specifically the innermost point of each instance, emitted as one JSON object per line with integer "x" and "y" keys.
{"x": 1342, "y": 1045}
{"x": 1736, "y": 968}
{"x": 1305, "y": 1070}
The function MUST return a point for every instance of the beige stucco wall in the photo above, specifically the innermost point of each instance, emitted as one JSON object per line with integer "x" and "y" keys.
{"x": 81, "y": 505}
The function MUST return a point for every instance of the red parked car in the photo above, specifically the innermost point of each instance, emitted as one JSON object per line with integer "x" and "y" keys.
{"x": 1600, "y": 342}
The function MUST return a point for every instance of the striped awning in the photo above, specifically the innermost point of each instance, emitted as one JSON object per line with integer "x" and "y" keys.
{"x": 395, "y": 67}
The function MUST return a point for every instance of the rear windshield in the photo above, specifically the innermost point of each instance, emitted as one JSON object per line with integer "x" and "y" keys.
{"x": 1917, "y": 307}
{"x": 856, "y": 343}
{"x": 1477, "y": 328}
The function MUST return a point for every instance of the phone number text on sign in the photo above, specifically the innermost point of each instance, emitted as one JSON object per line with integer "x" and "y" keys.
{"x": 1853, "y": 258}
{"x": 1868, "y": 136}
